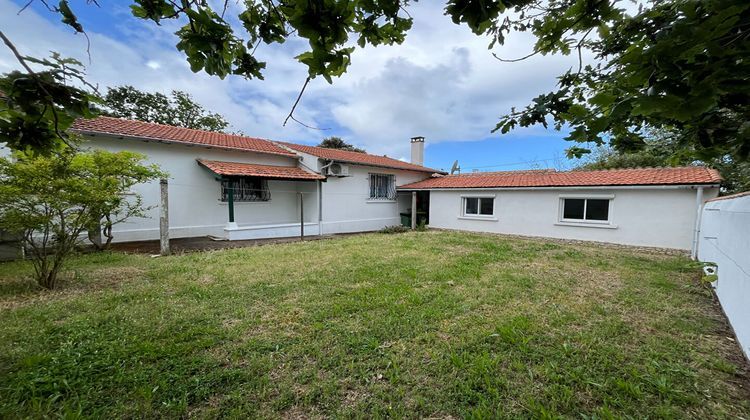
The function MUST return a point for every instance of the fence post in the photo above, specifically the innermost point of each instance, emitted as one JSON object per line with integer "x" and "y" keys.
{"x": 301, "y": 218}
{"x": 164, "y": 217}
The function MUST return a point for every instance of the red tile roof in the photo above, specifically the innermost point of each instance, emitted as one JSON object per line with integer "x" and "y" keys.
{"x": 265, "y": 171}
{"x": 612, "y": 177}
{"x": 358, "y": 158}
{"x": 168, "y": 133}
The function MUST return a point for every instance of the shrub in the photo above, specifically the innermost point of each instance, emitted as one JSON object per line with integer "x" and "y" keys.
{"x": 51, "y": 200}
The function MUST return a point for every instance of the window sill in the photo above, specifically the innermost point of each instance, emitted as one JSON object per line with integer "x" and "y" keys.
{"x": 382, "y": 201}
{"x": 485, "y": 218}
{"x": 588, "y": 225}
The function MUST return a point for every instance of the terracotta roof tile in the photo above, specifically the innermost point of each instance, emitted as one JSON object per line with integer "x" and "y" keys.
{"x": 161, "y": 132}
{"x": 357, "y": 158}
{"x": 613, "y": 177}
{"x": 265, "y": 171}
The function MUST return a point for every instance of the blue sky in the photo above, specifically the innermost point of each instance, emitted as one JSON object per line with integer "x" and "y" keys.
{"x": 442, "y": 83}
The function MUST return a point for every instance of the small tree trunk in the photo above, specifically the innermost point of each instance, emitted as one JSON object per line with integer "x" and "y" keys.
{"x": 95, "y": 235}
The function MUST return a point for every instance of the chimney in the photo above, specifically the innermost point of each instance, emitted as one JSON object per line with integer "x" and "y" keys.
{"x": 417, "y": 151}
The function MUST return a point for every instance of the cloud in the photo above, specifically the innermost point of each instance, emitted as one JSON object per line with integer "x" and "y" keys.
{"x": 441, "y": 83}
{"x": 153, "y": 65}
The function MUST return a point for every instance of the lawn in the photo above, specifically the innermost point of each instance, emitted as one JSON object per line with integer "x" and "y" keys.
{"x": 422, "y": 324}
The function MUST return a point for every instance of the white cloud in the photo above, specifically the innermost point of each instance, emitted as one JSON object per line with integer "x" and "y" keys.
{"x": 153, "y": 65}
{"x": 441, "y": 83}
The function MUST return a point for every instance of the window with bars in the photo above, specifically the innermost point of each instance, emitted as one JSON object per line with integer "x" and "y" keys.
{"x": 382, "y": 187}
{"x": 245, "y": 188}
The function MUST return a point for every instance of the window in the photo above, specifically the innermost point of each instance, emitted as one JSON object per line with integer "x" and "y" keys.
{"x": 245, "y": 189}
{"x": 479, "y": 206}
{"x": 382, "y": 187}
{"x": 595, "y": 210}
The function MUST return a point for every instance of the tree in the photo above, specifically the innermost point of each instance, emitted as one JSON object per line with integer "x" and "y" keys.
{"x": 677, "y": 65}
{"x": 664, "y": 149}
{"x": 51, "y": 200}
{"x": 180, "y": 110}
{"x": 334, "y": 142}
{"x": 674, "y": 64}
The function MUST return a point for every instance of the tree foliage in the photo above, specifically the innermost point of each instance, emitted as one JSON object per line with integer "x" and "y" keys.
{"x": 334, "y": 142}
{"x": 178, "y": 110}
{"x": 680, "y": 65}
{"x": 51, "y": 200}
{"x": 37, "y": 108}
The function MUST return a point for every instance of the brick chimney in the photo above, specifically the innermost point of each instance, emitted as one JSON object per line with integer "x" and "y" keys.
{"x": 417, "y": 151}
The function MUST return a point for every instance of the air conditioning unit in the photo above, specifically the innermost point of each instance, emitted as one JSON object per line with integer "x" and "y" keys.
{"x": 337, "y": 169}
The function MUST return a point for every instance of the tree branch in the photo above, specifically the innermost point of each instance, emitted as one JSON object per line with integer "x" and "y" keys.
{"x": 39, "y": 83}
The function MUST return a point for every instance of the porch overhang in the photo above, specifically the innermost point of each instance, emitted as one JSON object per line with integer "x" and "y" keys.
{"x": 283, "y": 173}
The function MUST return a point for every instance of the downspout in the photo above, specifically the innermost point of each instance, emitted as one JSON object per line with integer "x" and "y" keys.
{"x": 320, "y": 208}
{"x": 697, "y": 229}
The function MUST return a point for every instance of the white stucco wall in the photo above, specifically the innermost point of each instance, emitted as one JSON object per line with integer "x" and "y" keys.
{"x": 725, "y": 241}
{"x": 346, "y": 203}
{"x": 659, "y": 217}
{"x": 194, "y": 205}
{"x": 195, "y": 208}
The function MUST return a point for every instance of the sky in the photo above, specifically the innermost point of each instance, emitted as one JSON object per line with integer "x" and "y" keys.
{"x": 442, "y": 83}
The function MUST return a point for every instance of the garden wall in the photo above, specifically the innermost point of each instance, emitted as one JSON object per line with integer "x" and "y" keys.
{"x": 725, "y": 240}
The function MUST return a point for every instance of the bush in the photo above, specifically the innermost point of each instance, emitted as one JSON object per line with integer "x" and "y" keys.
{"x": 50, "y": 201}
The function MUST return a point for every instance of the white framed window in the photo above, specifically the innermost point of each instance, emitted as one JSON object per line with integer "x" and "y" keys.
{"x": 586, "y": 209}
{"x": 382, "y": 187}
{"x": 478, "y": 206}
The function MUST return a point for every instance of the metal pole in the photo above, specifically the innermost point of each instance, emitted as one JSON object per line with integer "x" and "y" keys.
{"x": 301, "y": 218}
{"x": 231, "y": 201}
{"x": 413, "y": 209}
{"x": 164, "y": 218}
{"x": 697, "y": 228}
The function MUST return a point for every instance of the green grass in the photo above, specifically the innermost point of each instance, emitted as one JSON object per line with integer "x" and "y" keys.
{"x": 426, "y": 324}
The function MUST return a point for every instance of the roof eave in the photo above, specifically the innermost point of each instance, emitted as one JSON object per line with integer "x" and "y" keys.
{"x": 616, "y": 186}
{"x": 351, "y": 162}
{"x": 184, "y": 143}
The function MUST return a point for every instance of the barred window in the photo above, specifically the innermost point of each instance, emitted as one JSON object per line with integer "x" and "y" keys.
{"x": 245, "y": 188}
{"x": 382, "y": 187}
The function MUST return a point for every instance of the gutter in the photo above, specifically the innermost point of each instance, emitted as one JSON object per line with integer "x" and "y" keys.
{"x": 697, "y": 228}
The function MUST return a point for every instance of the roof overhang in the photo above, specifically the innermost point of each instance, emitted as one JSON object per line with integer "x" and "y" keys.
{"x": 351, "y": 162}
{"x": 569, "y": 187}
{"x": 283, "y": 173}
{"x": 94, "y": 133}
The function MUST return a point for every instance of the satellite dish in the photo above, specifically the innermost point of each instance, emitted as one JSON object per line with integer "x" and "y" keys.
{"x": 455, "y": 168}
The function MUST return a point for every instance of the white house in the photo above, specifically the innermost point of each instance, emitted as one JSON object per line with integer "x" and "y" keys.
{"x": 656, "y": 207}
{"x": 239, "y": 187}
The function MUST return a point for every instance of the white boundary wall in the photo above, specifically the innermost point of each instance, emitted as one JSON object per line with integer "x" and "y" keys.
{"x": 725, "y": 241}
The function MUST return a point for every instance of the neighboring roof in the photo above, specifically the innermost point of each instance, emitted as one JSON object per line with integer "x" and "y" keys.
{"x": 265, "y": 171}
{"x": 613, "y": 177}
{"x": 358, "y": 158}
{"x": 729, "y": 197}
{"x": 160, "y": 132}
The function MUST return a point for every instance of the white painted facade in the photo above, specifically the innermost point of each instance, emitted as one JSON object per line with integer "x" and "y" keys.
{"x": 336, "y": 205}
{"x": 642, "y": 216}
{"x": 725, "y": 241}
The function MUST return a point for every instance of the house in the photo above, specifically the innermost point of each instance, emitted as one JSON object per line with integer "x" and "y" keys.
{"x": 655, "y": 207}
{"x": 239, "y": 187}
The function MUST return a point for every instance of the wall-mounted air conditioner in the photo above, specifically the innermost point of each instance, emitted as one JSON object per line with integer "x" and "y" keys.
{"x": 337, "y": 169}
